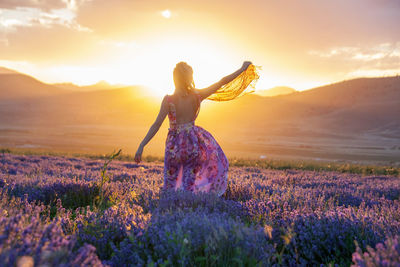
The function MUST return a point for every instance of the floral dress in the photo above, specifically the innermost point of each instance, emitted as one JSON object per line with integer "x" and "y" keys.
{"x": 193, "y": 159}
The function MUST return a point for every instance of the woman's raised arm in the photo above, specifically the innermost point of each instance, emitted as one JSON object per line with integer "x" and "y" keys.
{"x": 206, "y": 92}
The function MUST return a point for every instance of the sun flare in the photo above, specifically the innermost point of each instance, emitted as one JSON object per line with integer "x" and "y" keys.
{"x": 152, "y": 65}
{"x": 166, "y": 14}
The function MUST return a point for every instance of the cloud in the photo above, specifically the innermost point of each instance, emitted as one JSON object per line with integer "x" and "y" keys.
{"x": 41, "y": 4}
{"x": 380, "y": 60}
{"x": 46, "y": 44}
{"x": 33, "y": 34}
{"x": 29, "y": 17}
{"x": 366, "y": 54}
{"x": 368, "y": 72}
{"x": 11, "y": 23}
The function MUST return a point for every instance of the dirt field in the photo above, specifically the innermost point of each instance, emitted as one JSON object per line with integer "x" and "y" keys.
{"x": 245, "y": 144}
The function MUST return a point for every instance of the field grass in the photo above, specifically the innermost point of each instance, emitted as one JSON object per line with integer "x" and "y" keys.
{"x": 275, "y": 164}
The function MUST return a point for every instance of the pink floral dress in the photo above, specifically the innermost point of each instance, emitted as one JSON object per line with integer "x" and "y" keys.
{"x": 193, "y": 159}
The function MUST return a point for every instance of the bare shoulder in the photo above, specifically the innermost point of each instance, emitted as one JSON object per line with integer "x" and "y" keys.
{"x": 165, "y": 101}
{"x": 199, "y": 93}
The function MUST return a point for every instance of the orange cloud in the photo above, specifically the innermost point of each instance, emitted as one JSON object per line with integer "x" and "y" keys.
{"x": 41, "y": 4}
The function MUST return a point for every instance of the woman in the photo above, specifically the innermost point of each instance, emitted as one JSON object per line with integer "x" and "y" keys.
{"x": 193, "y": 159}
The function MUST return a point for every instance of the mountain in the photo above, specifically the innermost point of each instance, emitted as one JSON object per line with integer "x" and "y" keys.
{"x": 14, "y": 85}
{"x": 358, "y": 117}
{"x": 349, "y": 106}
{"x": 101, "y": 85}
{"x": 7, "y": 71}
{"x": 278, "y": 90}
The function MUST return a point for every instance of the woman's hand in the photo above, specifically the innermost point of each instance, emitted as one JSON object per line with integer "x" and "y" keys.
{"x": 245, "y": 65}
{"x": 138, "y": 155}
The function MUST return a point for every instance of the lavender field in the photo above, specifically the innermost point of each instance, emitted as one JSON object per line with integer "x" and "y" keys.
{"x": 54, "y": 212}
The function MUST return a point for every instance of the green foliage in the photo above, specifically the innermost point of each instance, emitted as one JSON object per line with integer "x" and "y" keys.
{"x": 5, "y": 150}
{"x": 317, "y": 166}
{"x": 104, "y": 179}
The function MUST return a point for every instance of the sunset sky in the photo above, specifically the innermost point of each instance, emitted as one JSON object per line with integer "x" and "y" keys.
{"x": 300, "y": 44}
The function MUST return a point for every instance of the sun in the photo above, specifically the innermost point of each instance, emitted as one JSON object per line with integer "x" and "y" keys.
{"x": 166, "y": 13}
{"x": 152, "y": 63}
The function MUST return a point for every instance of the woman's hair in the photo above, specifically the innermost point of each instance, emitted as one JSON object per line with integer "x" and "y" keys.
{"x": 183, "y": 77}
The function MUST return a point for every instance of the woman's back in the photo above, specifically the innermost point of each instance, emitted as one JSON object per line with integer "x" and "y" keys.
{"x": 186, "y": 107}
{"x": 193, "y": 159}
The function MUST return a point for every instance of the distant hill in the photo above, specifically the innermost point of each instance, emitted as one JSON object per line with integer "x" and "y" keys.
{"x": 361, "y": 113}
{"x": 358, "y": 105}
{"x": 101, "y": 85}
{"x": 25, "y": 100}
{"x": 7, "y": 71}
{"x": 14, "y": 85}
{"x": 355, "y": 106}
{"x": 278, "y": 90}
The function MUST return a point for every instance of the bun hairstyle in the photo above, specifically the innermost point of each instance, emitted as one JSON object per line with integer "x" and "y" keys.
{"x": 183, "y": 78}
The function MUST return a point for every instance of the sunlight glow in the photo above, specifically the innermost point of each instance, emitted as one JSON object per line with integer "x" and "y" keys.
{"x": 139, "y": 43}
{"x": 152, "y": 64}
{"x": 148, "y": 63}
{"x": 166, "y": 14}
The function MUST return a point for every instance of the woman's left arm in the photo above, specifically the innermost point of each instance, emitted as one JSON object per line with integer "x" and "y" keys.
{"x": 153, "y": 129}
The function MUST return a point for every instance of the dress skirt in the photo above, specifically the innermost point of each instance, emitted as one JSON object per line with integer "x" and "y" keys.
{"x": 194, "y": 161}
